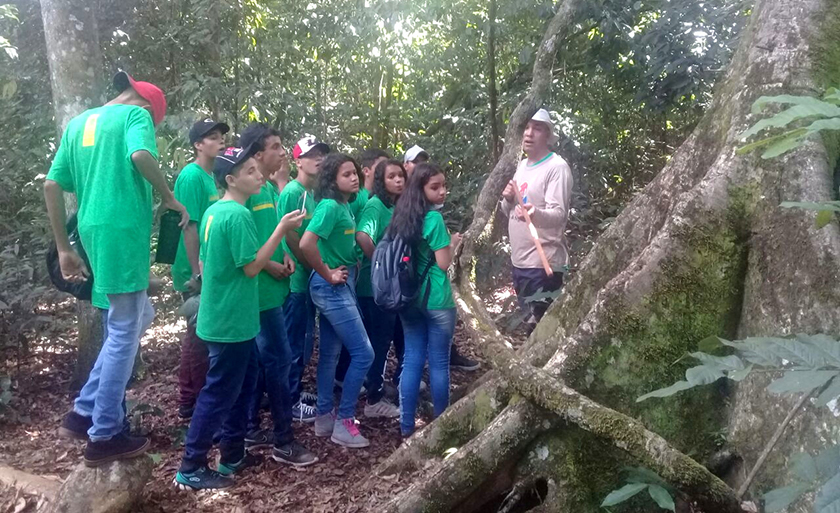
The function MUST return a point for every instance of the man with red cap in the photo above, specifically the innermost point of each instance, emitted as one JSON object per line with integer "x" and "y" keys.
{"x": 108, "y": 158}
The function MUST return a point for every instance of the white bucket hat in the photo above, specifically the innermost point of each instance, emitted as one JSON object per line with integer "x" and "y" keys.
{"x": 543, "y": 117}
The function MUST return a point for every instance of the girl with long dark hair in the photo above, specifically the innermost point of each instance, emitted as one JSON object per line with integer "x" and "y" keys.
{"x": 389, "y": 179}
{"x": 429, "y": 322}
{"x": 329, "y": 245}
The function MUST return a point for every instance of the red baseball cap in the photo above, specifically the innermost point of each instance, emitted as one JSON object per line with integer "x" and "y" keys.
{"x": 146, "y": 90}
{"x": 307, "y": 144}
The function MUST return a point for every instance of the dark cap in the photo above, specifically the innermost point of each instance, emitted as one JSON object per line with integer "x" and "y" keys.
{"x": 201, "y": 128}
{"x": 229, "y": 160}
{"x": 149, "y": 92}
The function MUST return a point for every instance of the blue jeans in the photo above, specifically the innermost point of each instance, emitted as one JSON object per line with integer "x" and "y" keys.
{"x": 275, "y": 359}
{"x": 102, "y": 396}
{"x": 428, "y": 333}
{"x": 223, "y": 402}
{"x": 341, "y": 324}
{"x": 300, "y": 326}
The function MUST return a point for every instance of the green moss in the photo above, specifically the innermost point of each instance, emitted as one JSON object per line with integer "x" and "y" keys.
{"x": 456, "y": 433}
{"x": 825, "y": 54}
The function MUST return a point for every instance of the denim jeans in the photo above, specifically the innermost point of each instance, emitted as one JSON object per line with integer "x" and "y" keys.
{"x": 223, "y": 402}
{"x": 341, "y": 324}
{"x": 102, "y": 396}
{"x": 275, "y": 357}
{"x": 300, "y": 327}
{"x": 428, "y": 333}
{"x": 399, "y": 349}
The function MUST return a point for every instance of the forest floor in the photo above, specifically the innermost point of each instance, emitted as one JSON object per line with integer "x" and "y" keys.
{"x": 41, "y": 397}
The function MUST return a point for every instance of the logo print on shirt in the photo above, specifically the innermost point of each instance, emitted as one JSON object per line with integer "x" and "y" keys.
{"x": 523, "y": 191}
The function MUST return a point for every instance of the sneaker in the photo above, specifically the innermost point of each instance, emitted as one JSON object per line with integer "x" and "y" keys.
{"x": 75, "y": 426}
{"x": 120, "y": 447}
{"x": 382, "y": 408}
{"x": 459, "y": 361}
{"x": 185, "y": 412}
{"x": 303, "y": 412}
{"x": 346, "y": 433}
{"x": 247, "y": 461}
{"x": 308, "y": 398}
{"x": 294, "y": 454}
{"x": 324, "y": 424}
{"x": 202, "y": 479}
{"x": 259, "y": 438}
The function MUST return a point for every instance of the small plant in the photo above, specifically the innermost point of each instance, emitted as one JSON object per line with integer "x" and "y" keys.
{"x": 639, "y": 479}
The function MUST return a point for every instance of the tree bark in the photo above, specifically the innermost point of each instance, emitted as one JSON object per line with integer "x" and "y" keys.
{"x": 491, "y": 82}
{"x": 76, "y": 73}
{"x": 703, "y": 250}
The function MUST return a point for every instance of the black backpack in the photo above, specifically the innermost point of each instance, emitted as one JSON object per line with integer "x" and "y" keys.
{"x": 82, "y": 291}
{"x": 393, "y": 277}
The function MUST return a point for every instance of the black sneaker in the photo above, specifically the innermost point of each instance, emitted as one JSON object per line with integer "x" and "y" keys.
{"x": 247, "y": 461}
{"x": 459, "y": 361}
{"x": 294, "y": 454}
{"x": 120, "y": 447}
{"x": 202, "y": 479}
{"x": 75, "y": 426}
{"x": 259, "y": 438}
{"x": 186, "y": 412}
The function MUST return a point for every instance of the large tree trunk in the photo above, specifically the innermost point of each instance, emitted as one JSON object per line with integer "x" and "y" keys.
{"x": 703, "y": 250}
{"x": 76, "y": 74}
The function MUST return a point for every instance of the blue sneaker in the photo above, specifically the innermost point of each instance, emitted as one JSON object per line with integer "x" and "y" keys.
{"x": 202, "y": 479}
{"x": 249, "y": 460}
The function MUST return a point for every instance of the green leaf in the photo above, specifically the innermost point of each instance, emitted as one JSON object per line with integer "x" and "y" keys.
{"x": 813, "y": 108}
{"x": 661, "y": 496}
{"x": 780, "y": 498}
{"x": 724, "y": 363}
{"x": 833, "y": 206}
{"x": 823, "y": 218}
{"x": 644, "y": 475}
{"x": 709, "y": 344}
{"x": 804, "y": 466}
{"x": 829, "y": 493}
{"x": 9, "y": 90}
{"x": 791, "y": 142}
{"x": 826, "y": 346}
{"x": 833, "y": 507}
{"x": 679, "y": 386}
{"x": 828, "y": 461}
{"x": 770, "y": 140}
{"x": 156, "y": 458}
{"x": 740, "y": 375}
{"x": 762, "y": 102}
{"x": 801, "y": 381}
{"x": 703, "y": 375}
{"x": 623, "y": 493}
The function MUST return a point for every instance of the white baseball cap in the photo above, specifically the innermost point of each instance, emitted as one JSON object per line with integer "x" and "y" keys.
{"x": 307, "y": 144}
{"x": 543, "y": 117}
{"x": 413, "y": 153}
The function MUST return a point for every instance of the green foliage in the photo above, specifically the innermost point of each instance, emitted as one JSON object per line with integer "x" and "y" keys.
{"x": 639, "y": 479}
{"x": 809, "y": 362}
{"x": 813, "y": 114}
{"x": 810, "y": 474}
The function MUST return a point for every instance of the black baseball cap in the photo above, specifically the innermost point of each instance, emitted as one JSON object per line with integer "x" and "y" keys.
{"x": 201, "y": 128}
{"x": 227, "y": 162}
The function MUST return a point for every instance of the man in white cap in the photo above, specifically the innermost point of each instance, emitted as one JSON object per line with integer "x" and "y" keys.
{"x": 415, "y": 155}
{"x": 545, "y": 184}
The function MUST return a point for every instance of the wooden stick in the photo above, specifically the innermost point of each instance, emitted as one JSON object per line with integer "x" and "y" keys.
{"x": 532, "y": 230}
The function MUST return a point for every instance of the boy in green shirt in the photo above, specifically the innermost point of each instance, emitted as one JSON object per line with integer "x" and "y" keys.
{"x": 272, "y": 343}
{"x": 107, "y": 157}
{"x": 228, "y": 321}
{"x": 298, "y": 309}
{"x": 196, "y": 189}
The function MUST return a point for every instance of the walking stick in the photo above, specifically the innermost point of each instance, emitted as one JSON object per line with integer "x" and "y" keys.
{"x": 533, "y": 231}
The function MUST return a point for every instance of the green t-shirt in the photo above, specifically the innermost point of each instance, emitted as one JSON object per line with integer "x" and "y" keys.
{"x": 291, "y": 198}
{"x": 333, "y": 223}
{"x": 435, "y": 237}
{"x": 229, "y": 308}
{"x": 115, "y": 201}
{"x": 373, "y": 221}
{"x": 263, "y": 207}
{"x": 358, "y": 204}
{"x": 196, "y": 190}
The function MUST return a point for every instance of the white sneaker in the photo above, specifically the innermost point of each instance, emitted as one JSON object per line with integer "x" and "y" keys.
{"x": 383, "y": 408}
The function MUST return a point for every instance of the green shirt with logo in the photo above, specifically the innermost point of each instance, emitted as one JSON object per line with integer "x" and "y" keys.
{"x": 263, "y": 207}
{"x": 373, "y": 222}
{"x": 115, "y": 201}
{"x": 435, "y": 237}
{"x": 196, "y": 189}
{"x": 229, "y": 308}
{"x": 291, "y": 199}
{"x": 333, "y": 223}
